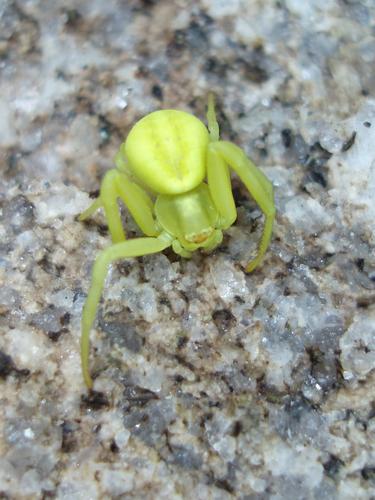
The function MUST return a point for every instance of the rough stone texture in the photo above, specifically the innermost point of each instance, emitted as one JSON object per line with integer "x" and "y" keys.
{"x": 210, "y": 383}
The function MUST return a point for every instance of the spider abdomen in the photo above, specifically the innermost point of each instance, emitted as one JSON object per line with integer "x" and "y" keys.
{"x": 166, "y": 150}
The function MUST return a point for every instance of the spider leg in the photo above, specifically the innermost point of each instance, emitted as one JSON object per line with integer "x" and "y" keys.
{"x": 258, "y": 186}
{"x": 89, "y": 211}
{"x": 116, "y": 184}
{"x": 219, "y": 184}
{"x": 139, "y": 204}
{"x": 131, "y": 248}
{"x": 213, "y": 126}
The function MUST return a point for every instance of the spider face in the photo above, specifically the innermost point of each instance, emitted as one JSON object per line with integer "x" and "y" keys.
{"x": 200, "y": 237}
{"x": 173, "y": 176}
{"x": 191, "y": 217}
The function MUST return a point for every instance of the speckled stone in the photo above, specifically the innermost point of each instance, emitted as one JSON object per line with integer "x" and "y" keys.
{"x": 209, "y": 383}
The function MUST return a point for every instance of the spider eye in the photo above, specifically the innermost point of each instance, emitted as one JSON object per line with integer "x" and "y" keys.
{"x": 199, "y": 237}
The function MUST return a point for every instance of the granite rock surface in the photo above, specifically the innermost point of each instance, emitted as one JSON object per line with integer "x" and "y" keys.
{"x": 210, "y": 383}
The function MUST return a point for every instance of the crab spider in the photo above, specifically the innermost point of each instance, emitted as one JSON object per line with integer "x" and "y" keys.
{"x": 173, "y": 175}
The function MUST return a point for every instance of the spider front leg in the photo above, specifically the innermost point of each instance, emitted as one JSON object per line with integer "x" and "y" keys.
{"x": 218, "y": 175}
{"x": 116, "y": 184}
{"x": 255, "y": 181}
{"x": 123, "y": 250}
{"x": 219, "y": 184}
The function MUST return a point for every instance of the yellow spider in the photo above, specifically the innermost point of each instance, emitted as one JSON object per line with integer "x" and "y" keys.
{"x": 173, "y": 175}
